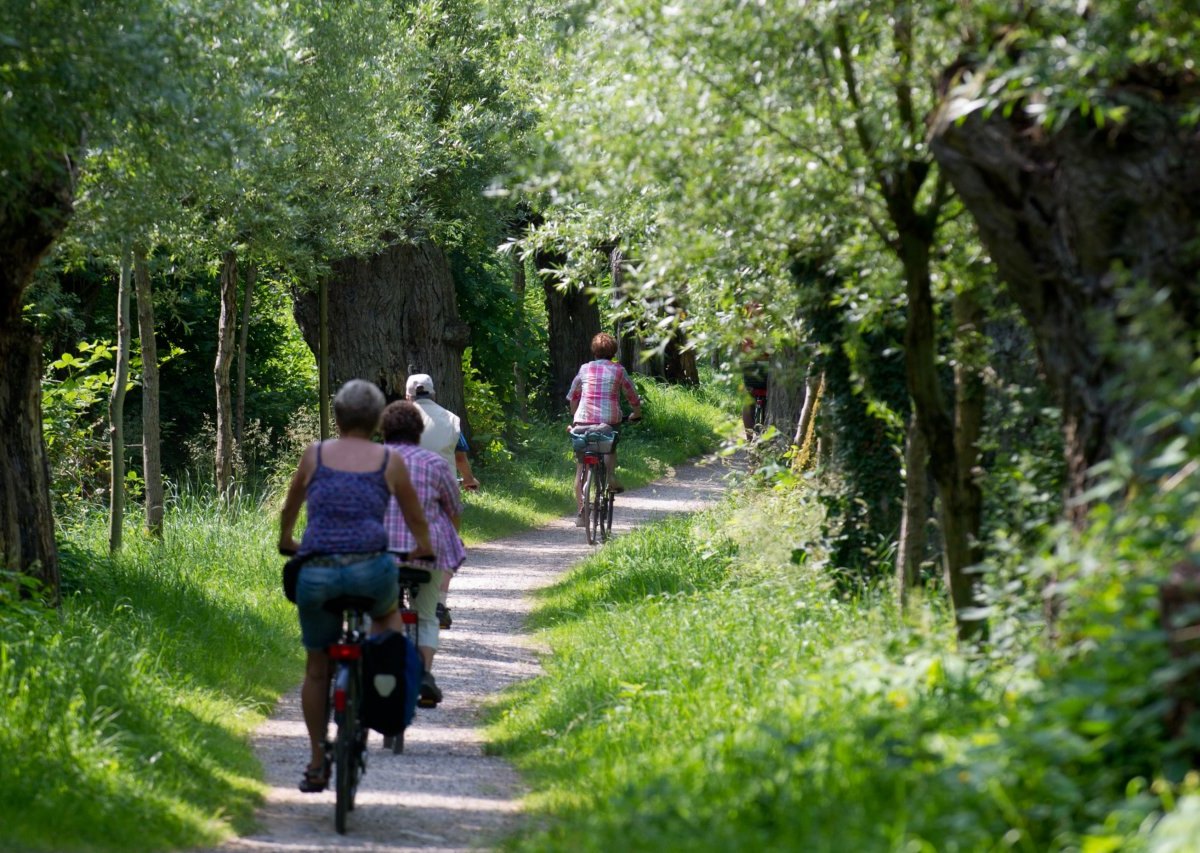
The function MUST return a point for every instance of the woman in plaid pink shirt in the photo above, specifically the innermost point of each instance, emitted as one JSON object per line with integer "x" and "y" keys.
{"x": 437, "y": 490}
{"x": 595, "y": 398}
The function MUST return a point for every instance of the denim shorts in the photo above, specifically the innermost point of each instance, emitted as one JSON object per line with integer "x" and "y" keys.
{"x": 319, "y": 582}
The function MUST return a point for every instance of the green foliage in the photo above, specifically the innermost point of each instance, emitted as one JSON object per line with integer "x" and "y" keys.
{"x": 1058, "y": 65}
{"x": 705, "y": 701}
{"x": 131, "y": 707}
{"x": 484, "y": 411}
{"x": 75, "y": 394}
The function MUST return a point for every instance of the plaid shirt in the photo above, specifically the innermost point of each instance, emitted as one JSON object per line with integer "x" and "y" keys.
{"x": 437, "y": 489}
{"x": 597, "y": 387}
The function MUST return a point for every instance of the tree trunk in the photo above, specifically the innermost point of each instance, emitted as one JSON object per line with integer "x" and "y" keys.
{"x": 952, "y": 471}
{"x": 520, "y": 392}
{"x": 392, "y": 315}
{"x": 225, "y": 330}
{"x": 679, "y": 362}
{"x": 324, "y": 392}
{"x": 574, "y": 319}
{"x": 30, "y": 221}
{"x": 813, "y": 381}
{"x": 786, "y": 389}
{"x": 914, "y": 537}
{"x": 970, "y": 345}
{"x": 1059, "y": 214}
{"x": 629, "y": 346}
{"x": 151, "y": 431}
{"x": 116, "y": 410}
{"x": 239, "y": 423}
{"x": 805, "y": 439}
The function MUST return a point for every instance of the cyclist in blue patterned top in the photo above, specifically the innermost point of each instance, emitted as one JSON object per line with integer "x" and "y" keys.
{"x": 347, "y": 483}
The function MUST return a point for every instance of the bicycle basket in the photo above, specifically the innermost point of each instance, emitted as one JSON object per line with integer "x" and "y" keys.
{"x": 593, "y": 441}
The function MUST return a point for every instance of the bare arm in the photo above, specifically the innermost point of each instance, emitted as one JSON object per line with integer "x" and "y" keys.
{"x": 296, "y": 493}
{"x": 631, "y": 396}
{"x": 410, "y": 505}
{"x": 463, "y": 464}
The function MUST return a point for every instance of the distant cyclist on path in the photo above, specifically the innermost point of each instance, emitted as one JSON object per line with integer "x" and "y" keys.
{"x": 595, "y": 399}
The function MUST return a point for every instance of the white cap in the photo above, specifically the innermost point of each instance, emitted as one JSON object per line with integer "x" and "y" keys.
{"x": 419, "y": 384}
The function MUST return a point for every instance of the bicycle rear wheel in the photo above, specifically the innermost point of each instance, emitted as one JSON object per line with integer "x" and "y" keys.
{"x": 348, "y": 748}
{"x": 593, "y": 503}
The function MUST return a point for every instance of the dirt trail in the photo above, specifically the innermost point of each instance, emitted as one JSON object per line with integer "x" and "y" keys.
{"x": 443, "y": 793}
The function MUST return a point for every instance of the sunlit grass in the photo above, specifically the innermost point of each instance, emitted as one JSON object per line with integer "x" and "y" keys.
{"x": 126, "y": 716}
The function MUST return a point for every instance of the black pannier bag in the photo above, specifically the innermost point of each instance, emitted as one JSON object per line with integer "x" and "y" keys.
{"x": 392, "y": 670}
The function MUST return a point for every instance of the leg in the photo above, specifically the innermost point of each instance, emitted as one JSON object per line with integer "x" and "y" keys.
{"x": 610, "y": 467}
{"x": 314, "y": 696}
{"x": 748, "y": 420}
{"x": 578, "y": 486}
{"x": 427, "y": 620}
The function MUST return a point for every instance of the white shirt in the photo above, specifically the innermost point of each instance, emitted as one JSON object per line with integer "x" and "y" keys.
{"x": 442, "y": 428}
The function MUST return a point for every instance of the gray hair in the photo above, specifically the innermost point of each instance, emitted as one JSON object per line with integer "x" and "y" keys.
{"x": 358, "y": 405}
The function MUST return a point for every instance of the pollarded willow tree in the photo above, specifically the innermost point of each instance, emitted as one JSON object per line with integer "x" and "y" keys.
{"x": 198, "y": 173}
{"x": 403, "y": 113}
{"x": 735, "y": 143}
{"x": 1070, "y": 132}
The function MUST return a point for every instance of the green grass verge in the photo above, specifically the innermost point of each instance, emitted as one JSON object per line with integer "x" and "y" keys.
{"x": 535, "y": 486}
{"x": 124, "y": 718}
{"x": 704, "y": 693}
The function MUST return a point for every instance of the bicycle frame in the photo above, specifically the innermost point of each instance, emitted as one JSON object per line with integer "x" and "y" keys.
{"x": 349, "y": 748}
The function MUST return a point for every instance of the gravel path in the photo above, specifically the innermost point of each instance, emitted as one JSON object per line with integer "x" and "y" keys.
{"x": 443, "y": 793}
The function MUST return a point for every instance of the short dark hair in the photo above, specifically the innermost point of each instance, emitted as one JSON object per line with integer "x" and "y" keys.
{"x": 604, "y": 345}
{"x": 402, "y": 423}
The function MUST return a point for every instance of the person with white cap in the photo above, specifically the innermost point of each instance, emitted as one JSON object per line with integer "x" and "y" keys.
{"x": 443, "y": 435}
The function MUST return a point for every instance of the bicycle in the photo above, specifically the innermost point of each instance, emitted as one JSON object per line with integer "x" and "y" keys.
{"x": 349, "y": 748}
{"x": 411, "y": 578}
{"x": 595, "y": 443}
{"x": 344, "y": 703}
{"x": 759, "y": 396}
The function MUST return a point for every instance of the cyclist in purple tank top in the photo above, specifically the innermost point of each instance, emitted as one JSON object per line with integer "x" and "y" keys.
{"x": 347, "y": 483}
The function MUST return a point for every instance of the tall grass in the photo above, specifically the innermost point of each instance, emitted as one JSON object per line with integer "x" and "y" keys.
{"x": 705, "y": 694}
{"x": 125, "y": 715}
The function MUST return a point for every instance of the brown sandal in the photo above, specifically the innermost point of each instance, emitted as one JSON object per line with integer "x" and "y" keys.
{"x": 315, "y": 779}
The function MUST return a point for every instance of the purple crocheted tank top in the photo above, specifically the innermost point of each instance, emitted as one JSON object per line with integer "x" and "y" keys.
{"x": 345, "y": 511}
